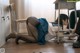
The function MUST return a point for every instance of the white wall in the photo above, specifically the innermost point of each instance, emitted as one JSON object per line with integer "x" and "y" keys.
{"x": 78, "y": 5}
{"x": 40, "y": 8}
{"x": 27, "y": 8}
{"x": 4, "y": 22}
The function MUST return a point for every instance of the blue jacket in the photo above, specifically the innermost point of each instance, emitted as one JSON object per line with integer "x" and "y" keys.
{"x": 42, "y": 30}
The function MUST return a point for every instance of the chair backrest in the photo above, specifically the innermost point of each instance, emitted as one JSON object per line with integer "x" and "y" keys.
{"x": 77, "y": 30}
{"x": 31, "y": 23}
{"x": 73, "y": 19}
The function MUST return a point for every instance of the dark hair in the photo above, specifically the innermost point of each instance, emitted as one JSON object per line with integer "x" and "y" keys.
{"x": 62, "y": 17}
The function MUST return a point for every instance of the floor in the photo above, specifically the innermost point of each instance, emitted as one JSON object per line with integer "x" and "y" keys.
{"x": 49, "y": 47}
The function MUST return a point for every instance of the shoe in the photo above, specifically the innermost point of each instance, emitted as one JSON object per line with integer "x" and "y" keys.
{"x": 76, "y": 45}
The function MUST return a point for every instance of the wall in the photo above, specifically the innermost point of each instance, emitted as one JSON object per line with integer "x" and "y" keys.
{"x": 4, "y": 21}
{"x": 40, "y": 8}
{"x": 27, "y": 8}
{"x": 78, "y": 5}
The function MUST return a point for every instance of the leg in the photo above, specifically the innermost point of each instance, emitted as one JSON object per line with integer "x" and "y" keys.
{"x": 25, "y": 38}
{"x": 11, "y": 35}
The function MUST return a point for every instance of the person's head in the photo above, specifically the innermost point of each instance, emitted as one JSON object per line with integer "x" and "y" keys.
{"x": 63, "y": 19}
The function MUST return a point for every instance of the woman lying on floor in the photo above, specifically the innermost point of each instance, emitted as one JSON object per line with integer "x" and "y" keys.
{"x": 38, "y": 30}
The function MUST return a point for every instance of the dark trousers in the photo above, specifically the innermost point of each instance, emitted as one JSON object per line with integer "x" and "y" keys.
{"x": 78, "y": 30}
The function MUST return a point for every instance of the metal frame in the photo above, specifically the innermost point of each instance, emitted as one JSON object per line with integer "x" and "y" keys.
{"x": 59, "y": 6}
